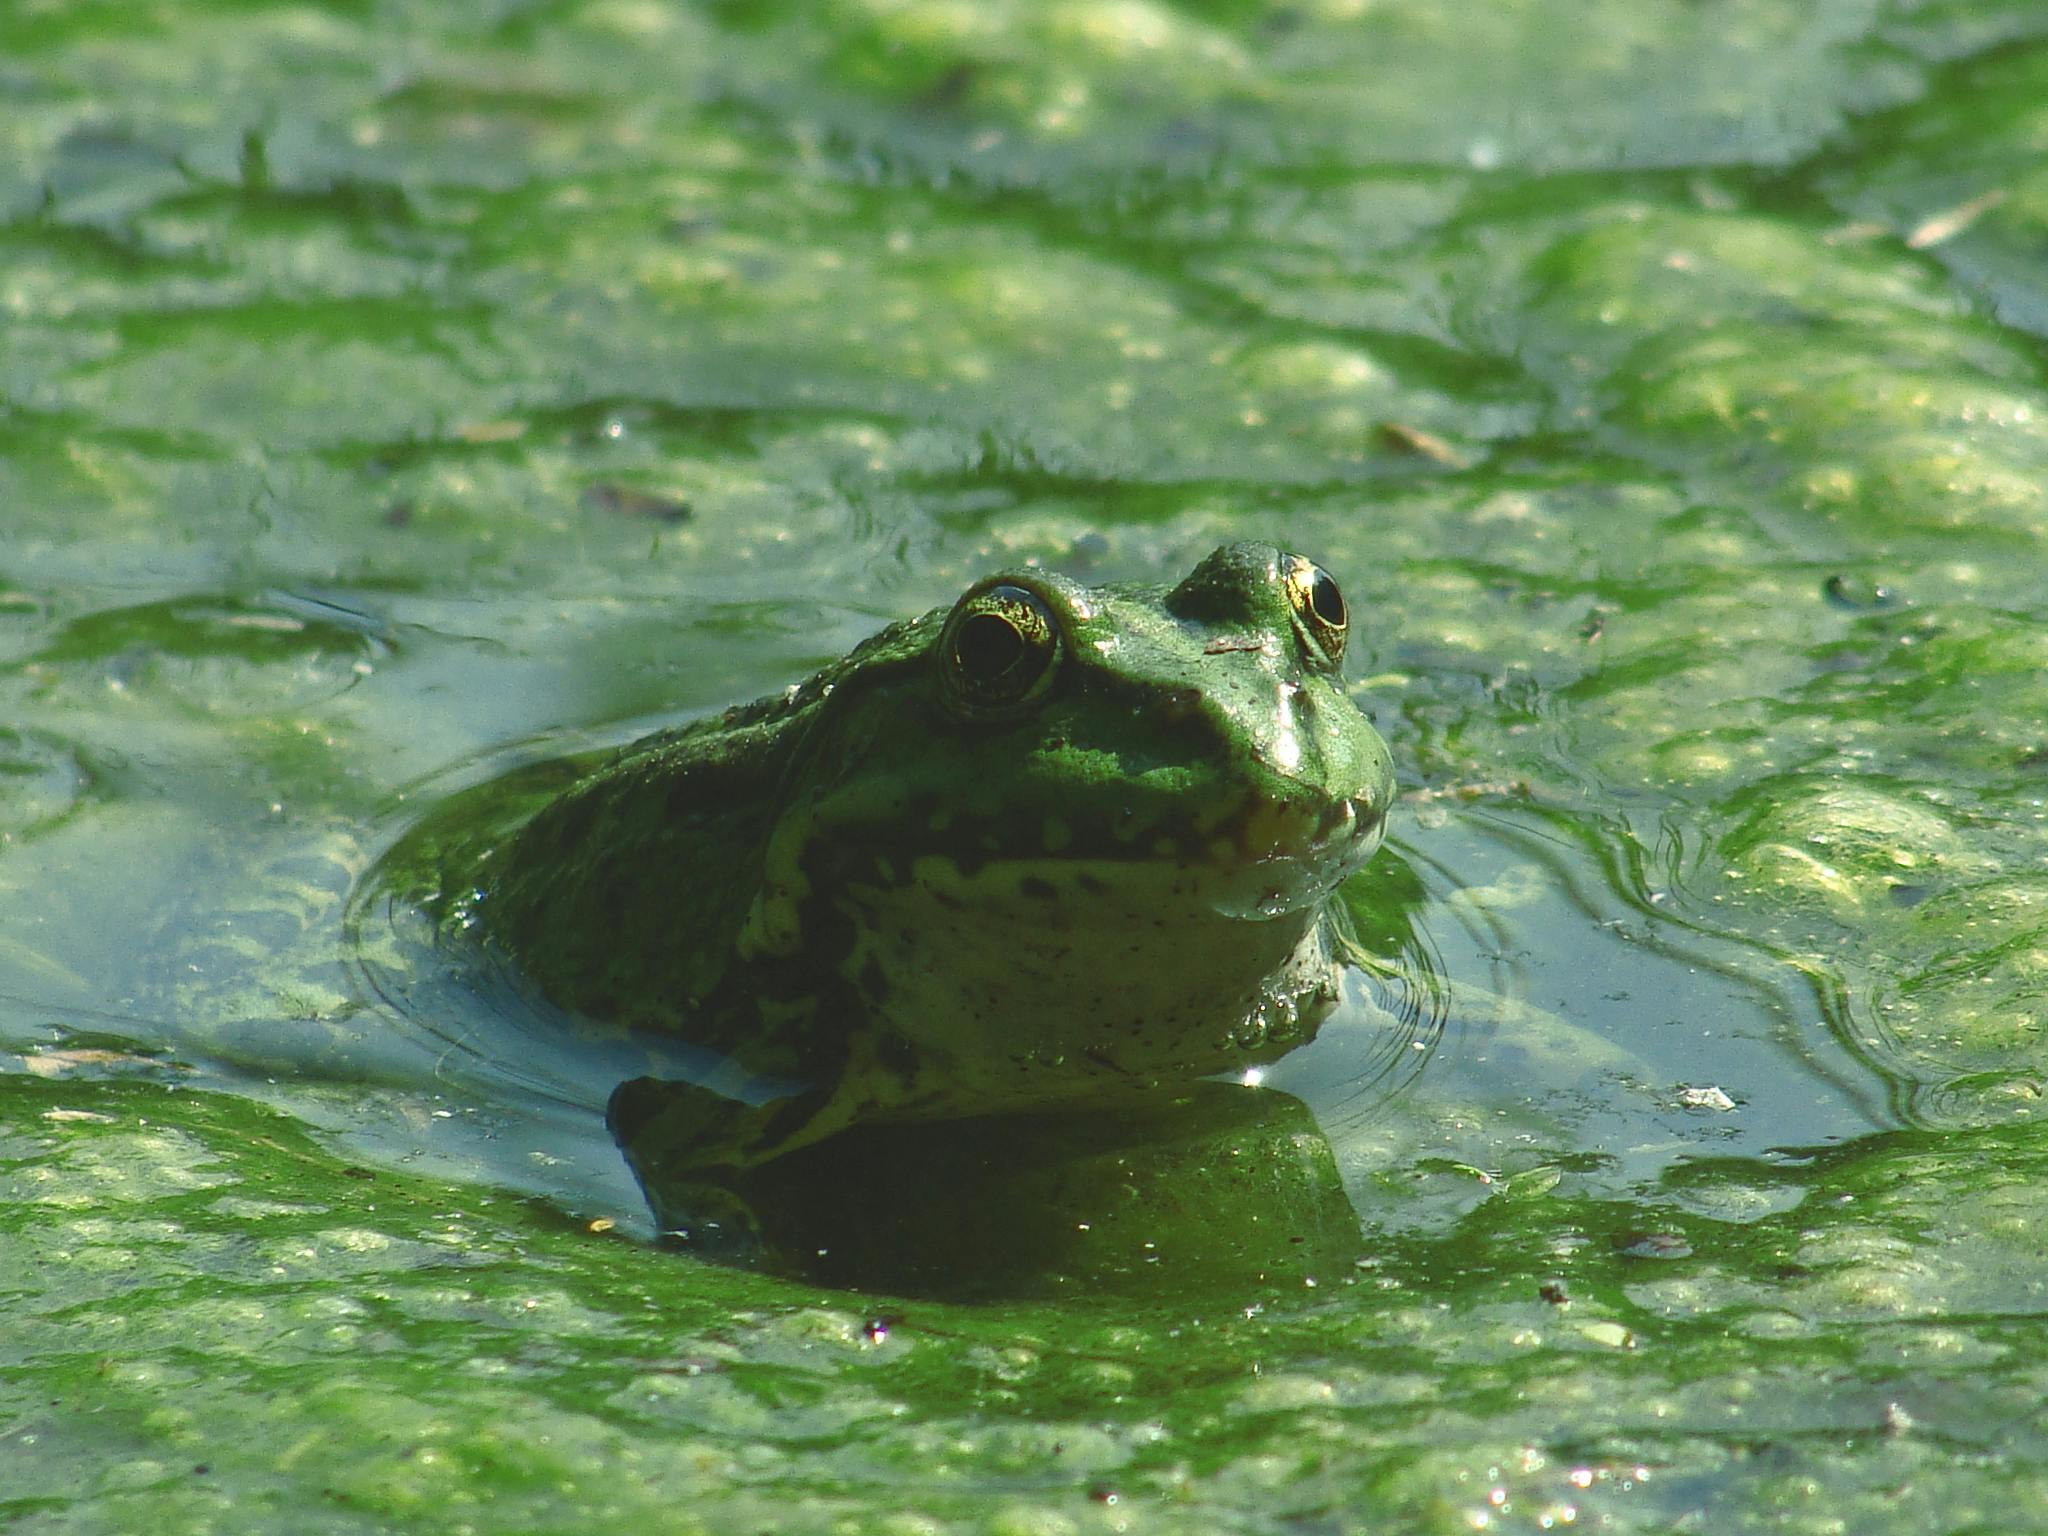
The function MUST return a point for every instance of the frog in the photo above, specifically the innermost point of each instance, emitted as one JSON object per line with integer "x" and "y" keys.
{"x": 1051, "y": 847}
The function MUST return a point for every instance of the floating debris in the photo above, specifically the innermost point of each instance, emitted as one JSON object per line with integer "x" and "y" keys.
{"x": 1704, "y": 1098}
{"x": 625, "y": 501}
{"x": 1934, "y": 230}
{"x": 1398, "y": 437}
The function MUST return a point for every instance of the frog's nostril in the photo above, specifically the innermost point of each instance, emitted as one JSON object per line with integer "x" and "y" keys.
{"x": 1176, "y": 705}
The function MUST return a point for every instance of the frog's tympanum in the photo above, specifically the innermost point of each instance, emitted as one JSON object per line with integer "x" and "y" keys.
{"x": 1054, "y": 848}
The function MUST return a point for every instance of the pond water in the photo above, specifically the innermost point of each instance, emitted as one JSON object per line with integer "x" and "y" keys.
{"x": 393, "y": 392}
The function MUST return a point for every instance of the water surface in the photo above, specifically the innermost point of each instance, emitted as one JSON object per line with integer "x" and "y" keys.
{"x": 391, "y": 392}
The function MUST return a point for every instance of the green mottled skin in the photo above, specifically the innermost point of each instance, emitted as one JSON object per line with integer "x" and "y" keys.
{"x": 905, "y": 907}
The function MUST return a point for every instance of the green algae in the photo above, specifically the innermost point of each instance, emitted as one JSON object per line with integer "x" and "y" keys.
{"x": 392, "y": 392}
{"x": 222, "y": 1316}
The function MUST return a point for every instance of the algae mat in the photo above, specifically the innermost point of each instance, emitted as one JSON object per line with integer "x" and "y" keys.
{"x": 390, "y": 387}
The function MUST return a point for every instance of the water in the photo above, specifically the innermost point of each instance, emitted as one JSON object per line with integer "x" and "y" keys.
{"x": 390, "y": 395}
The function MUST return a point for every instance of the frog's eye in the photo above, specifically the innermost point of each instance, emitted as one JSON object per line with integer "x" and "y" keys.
{"x": 1318, "y": 605}
{"x": 999, "y": 647}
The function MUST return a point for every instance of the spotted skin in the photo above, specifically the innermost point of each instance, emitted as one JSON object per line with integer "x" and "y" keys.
{"x": 1054, "y": 847}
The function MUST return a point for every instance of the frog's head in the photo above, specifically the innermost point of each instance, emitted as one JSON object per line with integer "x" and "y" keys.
{"x": 1057, "y": 813}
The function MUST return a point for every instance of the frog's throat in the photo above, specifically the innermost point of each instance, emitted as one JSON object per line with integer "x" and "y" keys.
{"x": 980, "y": 997}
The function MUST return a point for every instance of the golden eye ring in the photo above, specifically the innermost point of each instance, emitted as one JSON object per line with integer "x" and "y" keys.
{"x": 1320, "y": 611}
{"x": 1000, "y": 648}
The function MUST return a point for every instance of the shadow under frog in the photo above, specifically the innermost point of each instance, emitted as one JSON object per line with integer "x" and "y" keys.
{"x": 968, "y": 945}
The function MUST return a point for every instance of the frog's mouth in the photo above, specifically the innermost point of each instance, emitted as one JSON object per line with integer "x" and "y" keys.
{"x": 1260, "y": 857}
{"x": 1293, "y": 829}
{"x": 1278, "y": 855}
{"x": 1156, "y": 856}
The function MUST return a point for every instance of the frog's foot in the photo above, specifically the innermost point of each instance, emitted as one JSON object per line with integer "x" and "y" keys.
{"x": 1348, "y": 951}
{"x": 689, "y": 1147}
{"x": 707, "y": 1220}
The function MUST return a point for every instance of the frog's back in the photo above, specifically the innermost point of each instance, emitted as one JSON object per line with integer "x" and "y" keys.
{"x": 694, "y": 807}
{"x": 658, "y": 859}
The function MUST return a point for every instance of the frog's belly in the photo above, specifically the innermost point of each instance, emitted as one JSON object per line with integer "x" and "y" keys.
{"x": 1027, "y": 983}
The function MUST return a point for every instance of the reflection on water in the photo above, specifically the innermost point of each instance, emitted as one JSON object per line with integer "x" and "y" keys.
{"x": 1215, "y": 1189}
{"x": 1195, "y": 1186}
{"x": 1512, "y": 1011}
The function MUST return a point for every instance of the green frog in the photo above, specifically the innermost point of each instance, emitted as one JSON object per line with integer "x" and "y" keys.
{"x": 1053, "y": 848}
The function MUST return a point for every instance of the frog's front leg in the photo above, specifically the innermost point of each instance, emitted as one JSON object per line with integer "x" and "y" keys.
{"x": 687, "y": 1145}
